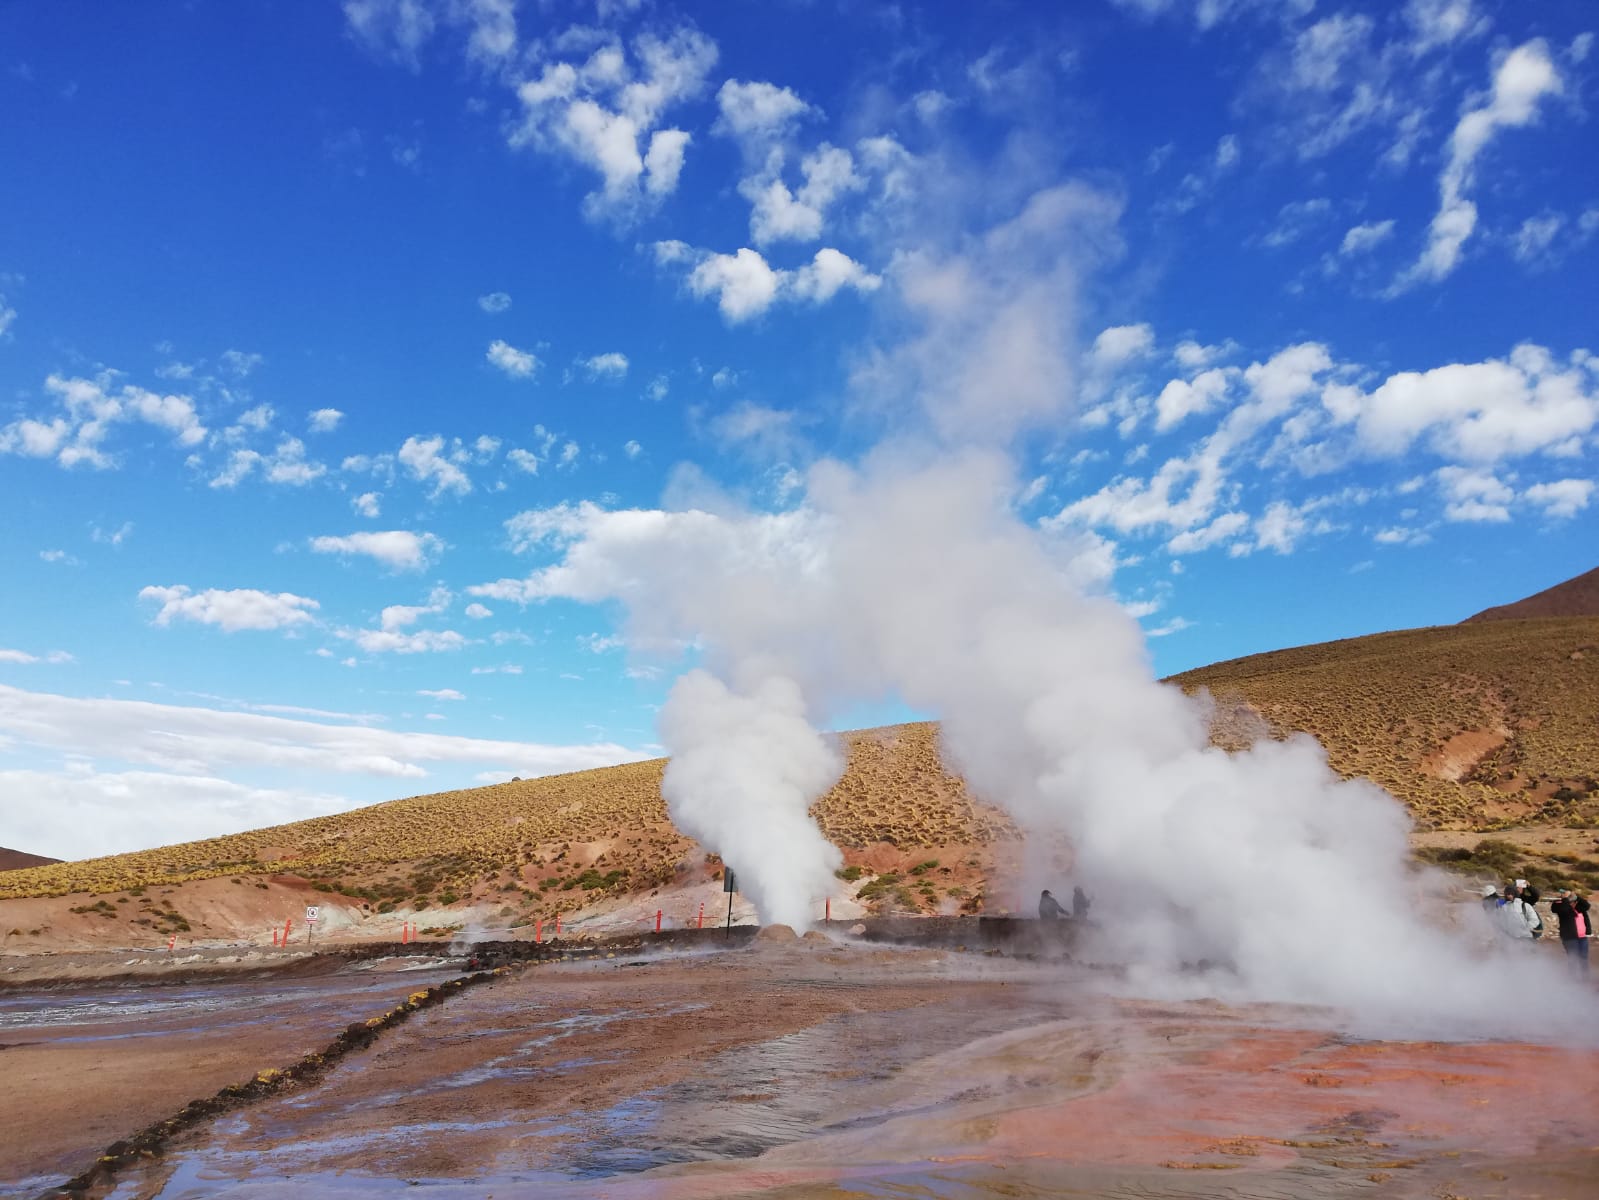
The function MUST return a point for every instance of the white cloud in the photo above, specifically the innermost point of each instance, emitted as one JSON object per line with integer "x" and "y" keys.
{"x": 779, "y": 214}
{"x": 424, "y": 459}
{"x": 23, "y": 658}
{"x": 398, "y": 616}
{"x": 478, "y": 612}
{"x": 324, "y": 420}
{"x": 1562, "y": 498}
{"x": 7, "y": 316}
{"x": 632, "y": 449}
{"x": 756, "y": 112}
{"x": 396, "y": 29}
{"x": 60, "y": 556}
{"x": 518, "y": 364}
{"x": 604, "y": 114}
{"x": 550, "y": 526}
{"x": 1523, "y": 78}
{"x": 612, "y": 365}
{"x": 1362, "y": 238}
{"x": 230, "y": 610}
{"x": 397, "y": 549}
{"x": 743, "y": 284}
{"x": 388, "y": 641}
{"x": 1184, "y": 398}
{"x": 1224, "y": 528}
{"x": 1443, "y": 22}
{"x": 1227, "y": 152}
{"x": 441, "y": 694}
{"x": 1120, "y": 343}
{"x": 746, "y": 286}
{"x": 1474, "y": 495}
{"x": 1475, "y": 412}
{"x": 240, "y": 363}
{"x": 90, "y": 409}
{"x": 494, "y": 302}
{"x": 368, "y": 504}
{"x": 289, "y": 465}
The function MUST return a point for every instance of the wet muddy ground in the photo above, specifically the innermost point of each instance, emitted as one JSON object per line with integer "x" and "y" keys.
{"x": 817, "y": 1070}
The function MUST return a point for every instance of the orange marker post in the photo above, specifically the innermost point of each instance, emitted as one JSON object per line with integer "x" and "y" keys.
{"x": 171, "y": 942}
{"x": 287, "y": 921}
{"x": 701, "y": 924}
{"x": 538, "y": 930}
{"x": 557, "y": 924}
{"x": 657, "y": 920}
{"x": 274, "y": 935}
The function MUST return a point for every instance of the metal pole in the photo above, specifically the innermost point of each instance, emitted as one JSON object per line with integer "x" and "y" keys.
{"x": 729, "y": 932}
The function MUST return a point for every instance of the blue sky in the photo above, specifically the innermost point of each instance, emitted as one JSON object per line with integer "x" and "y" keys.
{"x": 322, "y": 326}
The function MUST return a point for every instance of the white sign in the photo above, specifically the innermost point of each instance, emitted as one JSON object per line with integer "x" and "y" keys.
{"x": 310, "y": 914}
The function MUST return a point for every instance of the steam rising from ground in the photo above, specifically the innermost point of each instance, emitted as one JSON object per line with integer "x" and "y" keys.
{"x": 911, "y": 575}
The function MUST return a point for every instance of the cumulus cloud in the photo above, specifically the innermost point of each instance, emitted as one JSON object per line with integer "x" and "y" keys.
{"x": 1473, "y": 412}
{"x": 1562, "y": 498}
{"x": 324, "y": 420}
{"x": 1120, "y": 344}
{"x": 88, "y": 411}
{"x": 389, "y": 641}
{"x": 368, "y": 504}
{"x": 1182, "y": 398}
{"x": 230, "y": 610}
{"x": 1521, "y": 82}
{"x": 441, "y": 694}
{"x": 1474, "y": 495}
{"x": 425, "y": 460}
{"x": 612, "y": 365}
{"x": 757, "y": 112}
{"x": 606, "y": 111}
{"x": 494, "y": 302}
{"x": 745, "y": 285}
{"x": 778, "y": 213}
{"x": 518, "y": 364}
{"x": 397, "y": 549}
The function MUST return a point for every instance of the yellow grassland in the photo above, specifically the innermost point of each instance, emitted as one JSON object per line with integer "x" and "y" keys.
{"x": 1510, "y": 707}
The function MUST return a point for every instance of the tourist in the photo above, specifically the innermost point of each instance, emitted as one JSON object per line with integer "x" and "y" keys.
{"x": 1576, "y": 927}
{"x": 1079, "y": 904}
{"x": 1049, "y": 908}
{"x": 1516, "y": 918}
{"x": 1491, "y": 899}
{"x": 1527, "y": 892}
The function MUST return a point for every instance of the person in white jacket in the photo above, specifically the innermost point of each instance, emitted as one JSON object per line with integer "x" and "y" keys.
{"x": 1518, "y": 919}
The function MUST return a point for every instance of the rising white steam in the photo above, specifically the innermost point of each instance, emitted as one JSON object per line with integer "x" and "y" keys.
{"x": 910, "y": 574}
{"x": 743, "y": 772}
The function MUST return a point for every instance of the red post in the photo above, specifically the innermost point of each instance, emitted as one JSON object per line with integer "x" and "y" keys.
{"x": 701, "y": 924}
{"x": 657, "y": 920}
{"x": 171, "y": 942}
{"x": 829, "y": 911}
{"x": 557, "y": 924}
{"x": 287, "y": 921}
{"x": 538, "y": 930}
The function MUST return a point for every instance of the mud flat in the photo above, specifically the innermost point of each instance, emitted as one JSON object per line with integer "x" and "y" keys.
{"x": 792, "y": 1068}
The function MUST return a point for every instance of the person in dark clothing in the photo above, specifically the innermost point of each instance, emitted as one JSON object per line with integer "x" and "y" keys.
{"x": 1079, "y": 903}
{"x": 1049, "y": 908}
{"x": 1576, "y": 928}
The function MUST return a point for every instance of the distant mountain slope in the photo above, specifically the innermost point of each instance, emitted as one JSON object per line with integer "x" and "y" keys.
{"x": 1578, "y": 597}
{"x": 1472, "y": 726}
{"x": 15, "y": 860}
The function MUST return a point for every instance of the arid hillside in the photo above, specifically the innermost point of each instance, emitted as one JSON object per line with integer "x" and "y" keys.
{"x": 12, "y": 860}
{"x": 1578, "y": 597}
{"x": 1472, "y": 726}
{"x": 1476, "y": 727}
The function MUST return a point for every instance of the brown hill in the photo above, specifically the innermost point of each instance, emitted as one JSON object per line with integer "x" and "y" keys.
{"x": 1577, "y": 597}
{"x": 1472, "y": 726}
{"x": 12, "y": 860}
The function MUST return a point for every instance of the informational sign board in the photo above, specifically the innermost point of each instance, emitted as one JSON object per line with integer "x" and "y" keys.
{"x": 728, "y": 885}
{"x": 312, "y": 912}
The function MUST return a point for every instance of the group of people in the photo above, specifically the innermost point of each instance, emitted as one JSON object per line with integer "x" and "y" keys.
{"x": 1049, "y": 908}
{"x": 1514, "y": 912}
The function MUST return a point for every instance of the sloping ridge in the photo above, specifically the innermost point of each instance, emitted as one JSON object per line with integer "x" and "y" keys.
{"x": 1576, "y": 597}
{"x": 15, "y": 860}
